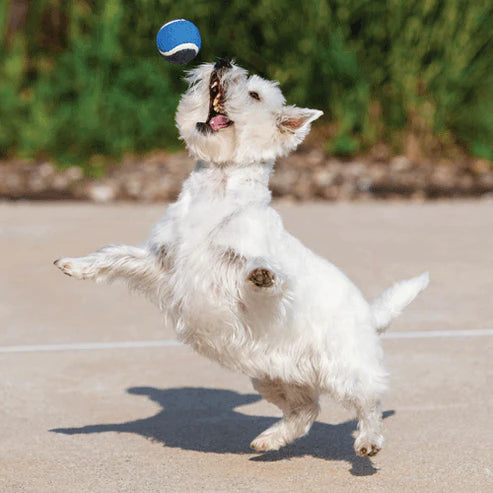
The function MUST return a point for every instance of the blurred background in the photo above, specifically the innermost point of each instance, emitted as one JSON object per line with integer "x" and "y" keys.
{"x": 87, "y": 104}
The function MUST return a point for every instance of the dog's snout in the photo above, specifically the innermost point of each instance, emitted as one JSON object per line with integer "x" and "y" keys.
{"x": 222, "y": 63}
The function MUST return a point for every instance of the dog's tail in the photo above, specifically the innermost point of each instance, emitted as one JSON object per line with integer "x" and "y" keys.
{"x": 393, "y": 300}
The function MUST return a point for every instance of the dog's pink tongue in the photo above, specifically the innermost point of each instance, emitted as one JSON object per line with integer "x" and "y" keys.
{"x": 219, "y": 121}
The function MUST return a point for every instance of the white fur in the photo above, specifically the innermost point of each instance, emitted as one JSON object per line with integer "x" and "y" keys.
{"x": 309, "y": 332}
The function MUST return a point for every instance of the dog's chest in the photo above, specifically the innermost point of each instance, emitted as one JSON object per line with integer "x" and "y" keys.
{"x": 204, "y": 233}
{"x": 210, "y": 219}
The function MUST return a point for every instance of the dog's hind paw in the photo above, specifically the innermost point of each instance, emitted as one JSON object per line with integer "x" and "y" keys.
{"x": 261, "y": 278}
{"x": 365, "y": 447}
{"x": 267, "y": 442}
{"x": 368, "y": 452}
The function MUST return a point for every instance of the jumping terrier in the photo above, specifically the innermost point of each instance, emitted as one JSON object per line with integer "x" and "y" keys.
{"x": 240, "y": 289}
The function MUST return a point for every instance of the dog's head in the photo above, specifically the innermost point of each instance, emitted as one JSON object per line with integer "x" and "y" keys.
{"x": 226, "y": 116}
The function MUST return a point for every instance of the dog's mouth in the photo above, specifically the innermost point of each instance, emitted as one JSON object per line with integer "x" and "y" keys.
{"x": 217, "y": 118}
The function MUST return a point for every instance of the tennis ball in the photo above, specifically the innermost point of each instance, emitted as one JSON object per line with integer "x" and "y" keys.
{"x": 178, "y": 41}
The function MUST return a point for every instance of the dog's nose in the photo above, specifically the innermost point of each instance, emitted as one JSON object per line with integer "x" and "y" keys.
{"x": 222, "y": 63}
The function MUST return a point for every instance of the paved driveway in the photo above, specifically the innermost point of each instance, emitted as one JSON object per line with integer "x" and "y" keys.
{"x": 95, "y": 396}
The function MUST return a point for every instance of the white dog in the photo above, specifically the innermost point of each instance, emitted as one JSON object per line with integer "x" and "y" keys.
{"x": 236, "y": 286}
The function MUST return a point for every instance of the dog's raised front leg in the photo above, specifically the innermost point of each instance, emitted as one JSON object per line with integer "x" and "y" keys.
{"x": 138, "y": 266}
{"x": 299, "y": 405}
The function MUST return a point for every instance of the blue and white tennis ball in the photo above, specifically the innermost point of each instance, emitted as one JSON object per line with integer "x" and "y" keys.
{"x": 178, "y": 41}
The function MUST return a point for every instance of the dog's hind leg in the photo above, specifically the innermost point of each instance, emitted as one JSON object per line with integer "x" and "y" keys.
{"x": 299, "y": 405}
{"x": 138, "y": 266}
{"x": 368, "y": 438}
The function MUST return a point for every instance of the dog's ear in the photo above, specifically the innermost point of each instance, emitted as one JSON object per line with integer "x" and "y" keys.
{"x": 294, "y": 120}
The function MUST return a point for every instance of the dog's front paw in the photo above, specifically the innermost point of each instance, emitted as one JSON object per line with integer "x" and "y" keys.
{"x": 366, "y": 446}
{"x": 74, "y": 268}
{"x": 261, "y": 278}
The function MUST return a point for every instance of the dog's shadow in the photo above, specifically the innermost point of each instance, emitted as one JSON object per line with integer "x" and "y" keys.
{"x": 205, "y": 420}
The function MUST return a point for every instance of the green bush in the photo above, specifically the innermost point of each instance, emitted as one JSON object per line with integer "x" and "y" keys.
{"x": 79, "y": 79}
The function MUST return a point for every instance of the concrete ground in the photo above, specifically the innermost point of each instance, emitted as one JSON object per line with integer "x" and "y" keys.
{"x": 77, "y": 418}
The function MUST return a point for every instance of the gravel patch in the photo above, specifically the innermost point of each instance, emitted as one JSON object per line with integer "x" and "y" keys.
{"x": 304, "y": 175}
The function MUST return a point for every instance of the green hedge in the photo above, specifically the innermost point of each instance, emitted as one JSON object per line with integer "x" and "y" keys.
{"x": 82, "y": 79}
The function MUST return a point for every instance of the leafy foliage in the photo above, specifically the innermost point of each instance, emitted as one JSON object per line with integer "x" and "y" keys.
{"x": 83, "y": 79}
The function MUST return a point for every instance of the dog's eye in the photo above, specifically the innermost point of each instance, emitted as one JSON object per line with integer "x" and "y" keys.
{"x": 254, "y": 95}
